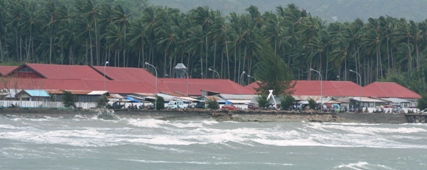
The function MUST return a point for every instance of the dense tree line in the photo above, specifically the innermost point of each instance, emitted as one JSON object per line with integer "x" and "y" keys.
{"x": 330, "y": 10}
{"x": 91, "y": 32}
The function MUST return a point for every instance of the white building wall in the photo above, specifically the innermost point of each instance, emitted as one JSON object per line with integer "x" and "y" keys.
{"x": 43, "y": 104}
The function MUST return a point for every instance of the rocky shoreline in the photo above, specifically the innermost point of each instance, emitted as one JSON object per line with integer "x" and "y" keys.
{"x": 220, "y": 115}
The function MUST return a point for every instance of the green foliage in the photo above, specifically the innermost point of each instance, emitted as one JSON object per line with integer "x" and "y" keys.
{"x": 312, "y": 104}
{"x": 422, "y": 103}
{"x": 275, "y": 46}
{"x": 102, "y": 101}
{"x": 287, "y": 101}
{"x": 160, "y": 103}
{"x": 262, "y": 101}
{"x": 413, "y": 80}
{"x": 212, "y": 104}
{"x": 273, "y": 73}
{"x": 342, "y": 10}
{"x": 69, "y": 99}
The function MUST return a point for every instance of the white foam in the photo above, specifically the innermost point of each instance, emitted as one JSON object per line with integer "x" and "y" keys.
{"x": 4, "y": 126}
{"x": 159, "y": 132}
{"x": 187, "y": 125}
{"x": 368, "y": 130}
{"x": 362, "y": 165}
{"x": 168, "y": 162}
{"x": 169, "y": 149}
{"x": 88, "y": 137}
{"x": 210, "y": 122}
{"x": 289, "y": 142}
{"x": 161, "y": 140}
{"x": 205, "y": 163}
{"x": 357, "y": 165}
{"x": 150, "y": 123}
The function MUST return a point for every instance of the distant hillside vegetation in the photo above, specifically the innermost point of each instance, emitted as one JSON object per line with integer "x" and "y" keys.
{"x": 330, "y": 10}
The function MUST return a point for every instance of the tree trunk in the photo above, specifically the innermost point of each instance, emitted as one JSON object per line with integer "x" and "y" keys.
{"x": 206, "y": 58}
{"x": 228, "y": 59}
{"x": 98, "y": 60}
{"x": 1, "y": 51}
{"x": 86, "y": 55}
{"x": 51, "y": 47}
{"x": 90, "y": 48}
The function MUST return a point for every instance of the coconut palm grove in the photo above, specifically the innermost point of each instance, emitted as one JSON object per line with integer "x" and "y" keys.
{"x": 130, "y": 33}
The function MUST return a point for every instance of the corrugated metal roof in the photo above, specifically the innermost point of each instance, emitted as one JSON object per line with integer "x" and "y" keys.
{"x": 186, "y": 98}
{"x": 391, "y": 89}
{"x": 55, "y": 71}
{"x": 118, "y": 96}
{"x": 138, "y": 80}
{"x": 195, "y": 86}
{"x": 238, "y": 96}
{"x": 126, "y": 74}
{"x": 166, "y": 96}
{"x": 395, "y": 100}
{"x": 367, "y": 99}
{"x": 97, "y": 92}
{"x": 326, "y": 88}
{"x": 37, "y": 93}
{"x": 240, "y": 101}
{"x": 4, "y": 70}
{"x": 342, "y": 99}
{"x": 84, "y": 85}
{"x": 218, "y": 99}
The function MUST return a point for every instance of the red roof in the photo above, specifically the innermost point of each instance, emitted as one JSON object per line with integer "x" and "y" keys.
{"x": 4, "y": 70}
{"x": 138, "y": 80}
{"x": 329, "y": 88}
{"x": 126, "y": 74}
{"x": 133, "y": 76}
{"x": 55, "y": 71}
{"x": 195, "y": 86}
{"x": 56, "y": 84}
{"x": 391, "y": 89}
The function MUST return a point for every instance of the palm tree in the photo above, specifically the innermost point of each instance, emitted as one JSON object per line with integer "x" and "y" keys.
{"x": 219, "y": 34}
{"x": 90, "y": 13}
{"x": 167, "y": 38}
{"x": 115, "y": 37}
{"x": 52, "y": 15}
{"x": 29, "y": 25}
{"x": 121, "y": 19}
{"x": 105, "y": 21}
{"x": 139, "y": 39}
{"x": 68, "y": 38}
{"x": 202, "y": 17}
{"x": 15, "y": 22}
{"x": 3, "y": 24}
{"x": 372, "y": 40}
{"x": 150, "y": 17}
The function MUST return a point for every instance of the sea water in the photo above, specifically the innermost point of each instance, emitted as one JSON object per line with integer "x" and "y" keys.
{"x": 90, "y": 143}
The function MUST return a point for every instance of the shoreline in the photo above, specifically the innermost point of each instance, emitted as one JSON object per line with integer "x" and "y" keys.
{"x": 219, "y": 115}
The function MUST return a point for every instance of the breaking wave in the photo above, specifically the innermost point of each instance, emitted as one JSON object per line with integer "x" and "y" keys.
{"x": 154, "y": 132}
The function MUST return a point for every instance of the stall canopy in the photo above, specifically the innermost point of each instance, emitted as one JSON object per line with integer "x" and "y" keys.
{"x": 131, "y": 99}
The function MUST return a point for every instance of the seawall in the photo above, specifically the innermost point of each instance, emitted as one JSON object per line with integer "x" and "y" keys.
{"x": 239, "y": 115}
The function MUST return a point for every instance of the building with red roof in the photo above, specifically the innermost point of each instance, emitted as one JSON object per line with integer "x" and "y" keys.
{"x": 391, "y": 89}
{"x": 326, "y": 88}
{"x": 4, "y": 70}
{"x": 139, "y": 80}
{"x": 195, "y": 86}
{"x": 116, "y": 80}
{"x": 56, "y": 71}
